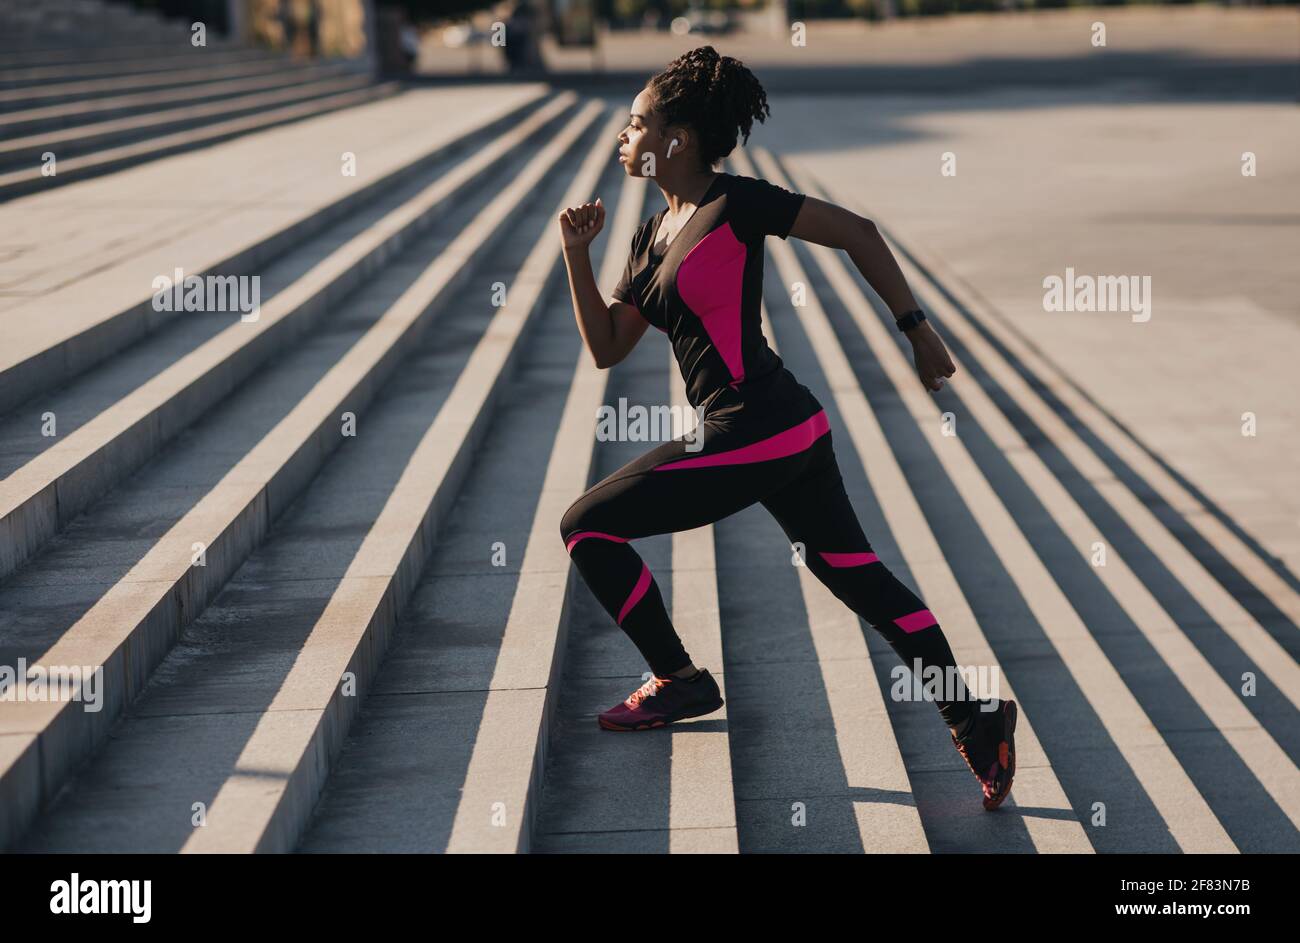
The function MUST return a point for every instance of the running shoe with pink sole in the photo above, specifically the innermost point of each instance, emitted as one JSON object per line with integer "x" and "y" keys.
{"x": 660, "y": 701}
{"x": 989, "y": 749}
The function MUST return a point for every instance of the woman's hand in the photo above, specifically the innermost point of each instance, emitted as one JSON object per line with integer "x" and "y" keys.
{"x": 580, "y": 224}
{"x": 932, "y": 360}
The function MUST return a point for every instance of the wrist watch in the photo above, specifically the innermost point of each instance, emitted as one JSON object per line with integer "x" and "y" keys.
{"x": 910, "y": 319}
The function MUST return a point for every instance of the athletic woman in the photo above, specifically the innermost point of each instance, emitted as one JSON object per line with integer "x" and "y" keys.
{"x": 695, "y": 272}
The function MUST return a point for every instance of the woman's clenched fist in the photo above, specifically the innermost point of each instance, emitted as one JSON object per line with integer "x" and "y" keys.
{"x": 579, "y": 224}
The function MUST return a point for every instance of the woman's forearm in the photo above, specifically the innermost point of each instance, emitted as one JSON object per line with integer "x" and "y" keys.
{"x": 592, "y": 313}
{"x": 879, "y": 267}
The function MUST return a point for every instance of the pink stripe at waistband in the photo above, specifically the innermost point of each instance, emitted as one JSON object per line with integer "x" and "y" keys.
{"x": 784, "y": 443}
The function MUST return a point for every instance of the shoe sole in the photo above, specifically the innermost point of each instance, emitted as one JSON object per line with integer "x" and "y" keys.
{"x": 1009, "y": 714}
{"x": 696, "y": 712}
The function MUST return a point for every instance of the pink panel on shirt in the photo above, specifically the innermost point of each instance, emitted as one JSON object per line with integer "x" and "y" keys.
{"x": 709, "y": 280}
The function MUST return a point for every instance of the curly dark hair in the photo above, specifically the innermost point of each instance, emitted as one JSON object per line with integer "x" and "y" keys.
{"x": 716, "y": 95}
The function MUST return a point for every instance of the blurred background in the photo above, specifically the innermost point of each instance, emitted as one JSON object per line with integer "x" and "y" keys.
{"x": 448, "y": 37}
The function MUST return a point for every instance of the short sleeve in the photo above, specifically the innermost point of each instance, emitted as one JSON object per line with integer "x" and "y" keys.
{"x": 764, "y": 209}
{"x": 624, "y": 291}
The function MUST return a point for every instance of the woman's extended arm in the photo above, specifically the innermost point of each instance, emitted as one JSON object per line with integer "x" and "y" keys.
{"x": 830, "y": 225}
{"x": 610, "y": 331}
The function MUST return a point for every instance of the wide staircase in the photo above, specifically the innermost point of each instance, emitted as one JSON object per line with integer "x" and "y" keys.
{"x": 315, "y": 554}
{"x": 88, "y": 87}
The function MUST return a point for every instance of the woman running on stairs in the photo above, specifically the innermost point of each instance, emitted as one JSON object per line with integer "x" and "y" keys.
{"x": 695, "y": 272}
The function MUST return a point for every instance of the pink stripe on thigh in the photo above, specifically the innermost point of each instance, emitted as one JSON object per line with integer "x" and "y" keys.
{"x": 915, "y": 621}
{"x": 591, "y": 533}
{"x": 849, "y": 559}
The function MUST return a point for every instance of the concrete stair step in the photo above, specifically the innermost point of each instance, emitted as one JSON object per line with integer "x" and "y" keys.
{"x": 96, "y": 49}
{"x": 185, "y": 57}
{"x": 30, "y": 121}
{"x": 61, "y": 93}
{"x": 74, "y": 169}
{"x": 97, "y": 135}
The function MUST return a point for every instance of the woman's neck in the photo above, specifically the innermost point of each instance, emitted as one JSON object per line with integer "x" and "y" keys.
{"x": 685, "y": 194}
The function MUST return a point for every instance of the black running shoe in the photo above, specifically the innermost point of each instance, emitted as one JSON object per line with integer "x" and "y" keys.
{"x": 660, "y": 701}
{"x": 989, "y": 749}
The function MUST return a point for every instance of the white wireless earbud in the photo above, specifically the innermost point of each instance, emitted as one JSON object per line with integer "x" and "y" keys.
{"x": 671, "y": 145}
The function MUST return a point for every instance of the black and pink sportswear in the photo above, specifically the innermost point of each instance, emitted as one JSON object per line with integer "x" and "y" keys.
{"x": 762, "y": 437}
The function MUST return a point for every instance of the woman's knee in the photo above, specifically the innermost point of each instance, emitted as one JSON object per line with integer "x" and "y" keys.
{"x": 571, "y": 521}
{"x": 582, "y": 515}
{"x": 863, "y": 582}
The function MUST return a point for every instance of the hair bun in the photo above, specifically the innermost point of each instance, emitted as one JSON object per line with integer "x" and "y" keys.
{"x": 714, "y": 94}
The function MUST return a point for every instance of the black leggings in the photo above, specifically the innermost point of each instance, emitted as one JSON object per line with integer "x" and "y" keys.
{"x": 735, "y": 461}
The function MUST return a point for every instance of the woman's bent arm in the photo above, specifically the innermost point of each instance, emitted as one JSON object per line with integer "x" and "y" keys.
{"x": 839, "y": 228}
{"x": 610, "y": 331}
{"x": 830, "y": 225}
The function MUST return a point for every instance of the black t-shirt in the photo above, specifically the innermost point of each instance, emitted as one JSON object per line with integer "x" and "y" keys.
{"x": 705, "y": 292}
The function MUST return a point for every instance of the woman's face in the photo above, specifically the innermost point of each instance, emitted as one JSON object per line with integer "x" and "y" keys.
{"x": 642, "y": 136}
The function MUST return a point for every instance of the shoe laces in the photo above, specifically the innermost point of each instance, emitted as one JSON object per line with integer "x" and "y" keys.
{"x": 649, "y": 689}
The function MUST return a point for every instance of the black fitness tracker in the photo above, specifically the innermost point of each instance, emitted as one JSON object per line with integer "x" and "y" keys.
{"x": 910, "y": 320}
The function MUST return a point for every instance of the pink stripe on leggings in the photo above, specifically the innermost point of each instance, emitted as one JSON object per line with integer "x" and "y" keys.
{"x": 915, "y": 621}
{"x": 642, "y": 584}
{"x": 792, "y": 440}
{"x": 849, "y": 559}
{"x": 591, "y": 533}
